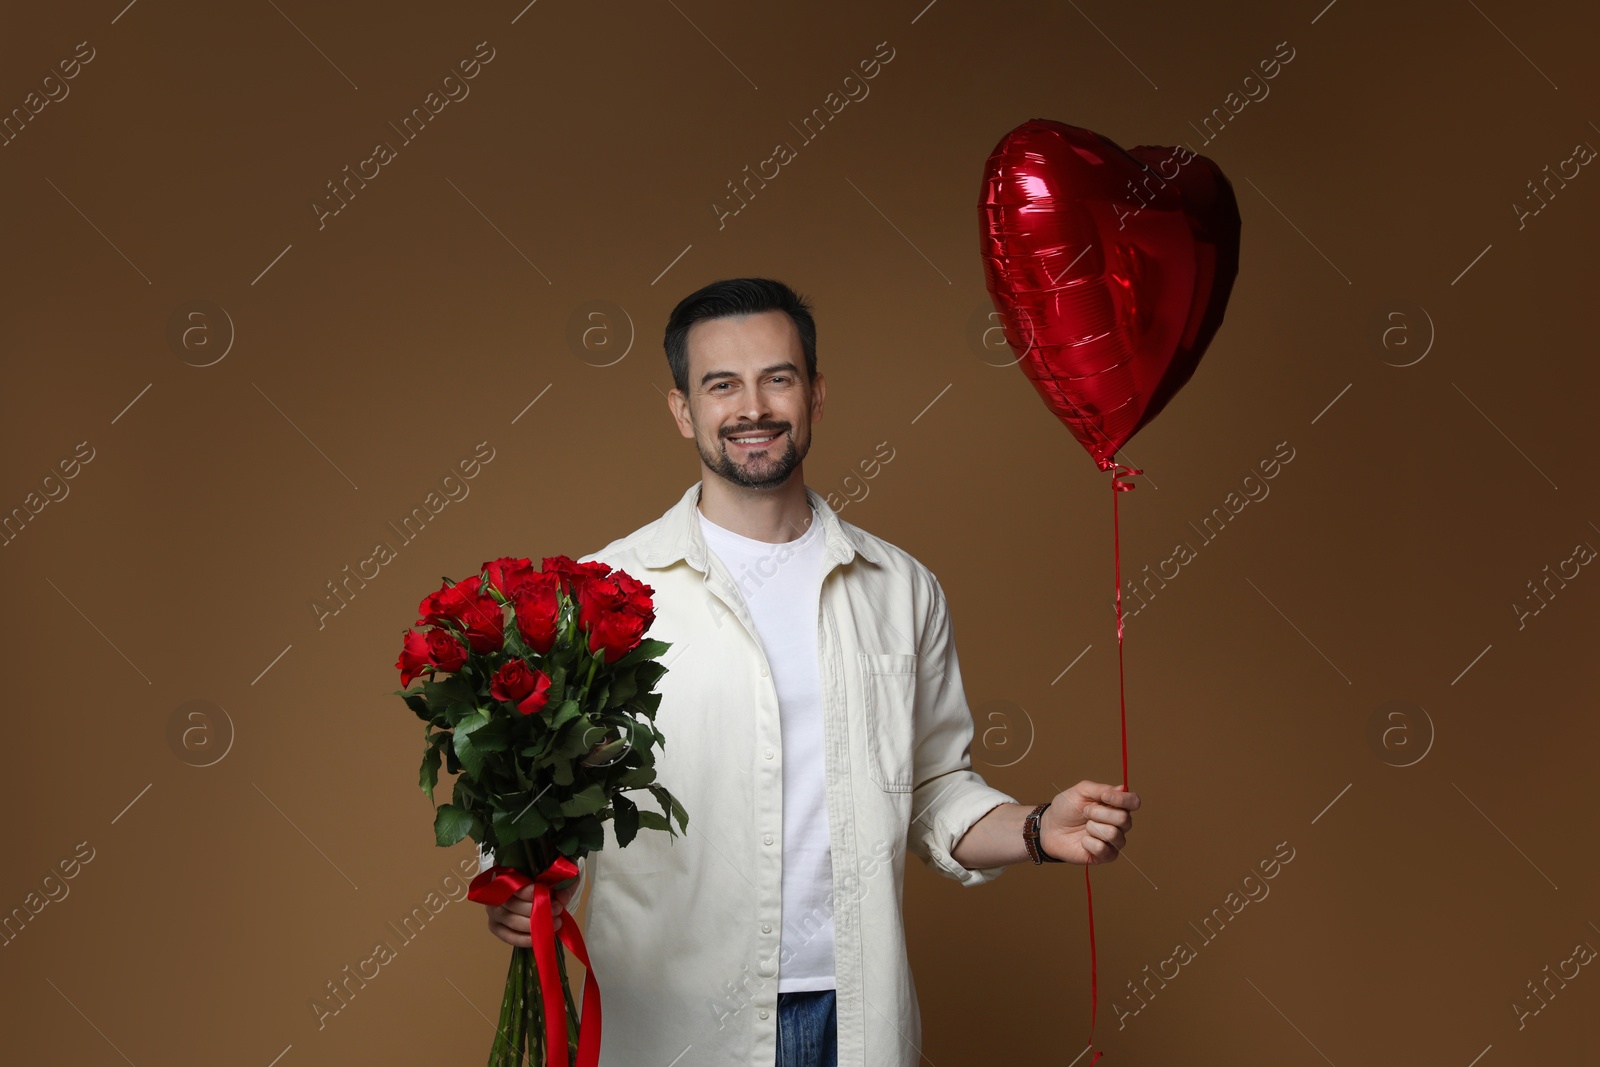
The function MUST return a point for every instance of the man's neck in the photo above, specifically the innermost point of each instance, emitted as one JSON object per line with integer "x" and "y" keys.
{"x": 770, "y": 515}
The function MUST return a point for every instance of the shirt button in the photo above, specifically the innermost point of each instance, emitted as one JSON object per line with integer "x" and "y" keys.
{"x": 767, "y": 753}
{"x": 763, "y": 1013}
{"x": 766, "y": 839}
{"x": 766, "y": 928}
{"x": 763, "y": 671}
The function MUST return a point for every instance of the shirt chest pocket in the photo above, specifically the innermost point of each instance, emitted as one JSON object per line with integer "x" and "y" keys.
{"x": 889, "y": 686}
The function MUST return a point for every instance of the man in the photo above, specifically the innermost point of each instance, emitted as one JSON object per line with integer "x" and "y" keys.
{"x": 816, "y": 729}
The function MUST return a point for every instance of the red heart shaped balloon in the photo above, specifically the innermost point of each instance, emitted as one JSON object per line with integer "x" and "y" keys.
{"x": 1110, "y": 270}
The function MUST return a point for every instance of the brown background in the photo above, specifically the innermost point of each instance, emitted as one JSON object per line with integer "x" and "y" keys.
{"x": 371, "y": 355}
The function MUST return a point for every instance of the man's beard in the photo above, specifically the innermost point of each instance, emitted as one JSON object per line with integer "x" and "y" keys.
{"x": 763, "y": 473}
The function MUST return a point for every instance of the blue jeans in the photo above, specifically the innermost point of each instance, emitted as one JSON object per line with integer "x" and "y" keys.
{"x": 808, "y": 1029}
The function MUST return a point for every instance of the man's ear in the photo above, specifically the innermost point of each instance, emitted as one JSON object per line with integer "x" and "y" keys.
{"x": 818, "y": 388}
{"x": 678, "y": 405}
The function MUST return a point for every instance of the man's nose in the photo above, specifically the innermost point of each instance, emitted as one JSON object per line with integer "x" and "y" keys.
{"x": 755, "y": 405}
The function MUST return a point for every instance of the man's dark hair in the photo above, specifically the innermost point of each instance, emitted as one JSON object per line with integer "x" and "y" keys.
{"x": 736, "y": 296}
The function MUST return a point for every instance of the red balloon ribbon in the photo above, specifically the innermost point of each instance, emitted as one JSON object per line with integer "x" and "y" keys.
{"x": 1119, "y": 471}
{"x": 497, "y": 885}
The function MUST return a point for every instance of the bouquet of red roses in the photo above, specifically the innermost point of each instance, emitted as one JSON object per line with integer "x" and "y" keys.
{"x": 537, "y": 694}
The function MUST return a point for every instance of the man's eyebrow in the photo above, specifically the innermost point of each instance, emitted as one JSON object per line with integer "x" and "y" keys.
{"x": 710, "y": 375}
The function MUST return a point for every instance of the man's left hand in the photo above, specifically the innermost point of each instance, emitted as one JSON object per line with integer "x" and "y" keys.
{"x": 1088, "y": 823}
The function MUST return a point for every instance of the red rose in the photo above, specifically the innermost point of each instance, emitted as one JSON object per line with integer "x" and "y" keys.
{"x": 617, "y": 634}
{"x": 637, "y": 596}
{"x": 437, "y": 607}
{"x": 486, "y": 625}
{"x": 537, "y": 604}
{"x": 508, "y": 573}
{"x": 414, "y": 658}
{"x": 445, "y": 651}
{"x": 434, "y": 650}
{"x": 516, "y": 683}
{"x": 466, "y": 605}
{"x": 598, "y": 597}
{"x": 616, "y": 610}
{"x": 574, "y": 575}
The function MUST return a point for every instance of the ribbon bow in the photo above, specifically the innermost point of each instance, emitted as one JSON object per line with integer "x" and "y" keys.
{"x": 497, "y": 885}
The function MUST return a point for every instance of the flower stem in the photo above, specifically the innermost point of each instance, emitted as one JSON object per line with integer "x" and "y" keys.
{"x": 587, "y": 682}
{"x": 512, "y": 1054}
{"x": 501, "y": 1049}
{"x": 536, "y": 1051}
{"x": 572, "y": 1008}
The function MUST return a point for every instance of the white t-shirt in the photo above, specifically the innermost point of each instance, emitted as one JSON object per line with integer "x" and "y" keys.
{"x": 780, "y": 584}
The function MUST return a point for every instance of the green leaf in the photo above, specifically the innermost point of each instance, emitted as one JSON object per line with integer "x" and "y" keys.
{"x": 648, "y": 649}
{"x": 669, "y": 803}
{"x": 550, "y": 807}
{"x": 606, "y": 753}
{"x": 430, "y": 763}
{"x": 576, "y": 743}
{"x": 586, "y": 801}
{"x": 519, "y": 775}
{"x": 513, "y": 643}
{"x": 495, "y": 734}
{"x": 652, "y": 820}
{"x": 649, "y": 674}
{"x": 561, "y": 772}
{"x": 524, "y": 824}
{"x": 415, "y": 702}
{"x": 626, "y": 820}
{"x": 622, "y": 689}
{"x": 647, "y": 705}
{"x": 636, "y": 777}
{"x": 451, "y": 824}
{"x": 591, "y": 833}
{"x": 476, "y": 738}
{"x": 564, "y": 714}
{"x": 441, "y": 694}
{"x": 640, "y": 739}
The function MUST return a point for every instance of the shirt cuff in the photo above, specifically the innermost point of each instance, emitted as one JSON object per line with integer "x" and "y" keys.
{"x": 952, "y": 816}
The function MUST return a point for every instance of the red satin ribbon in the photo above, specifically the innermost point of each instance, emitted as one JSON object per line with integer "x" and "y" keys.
{"x": 497, "y": 885}
{"x": 1118, "y": 472}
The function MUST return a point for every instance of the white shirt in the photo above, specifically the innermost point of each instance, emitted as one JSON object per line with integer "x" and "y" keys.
{"x": 684, "y": 932}
{"x": 780, "y": 584}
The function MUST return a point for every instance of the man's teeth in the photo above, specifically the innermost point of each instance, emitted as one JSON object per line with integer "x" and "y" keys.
{"x": 755, "y": 440}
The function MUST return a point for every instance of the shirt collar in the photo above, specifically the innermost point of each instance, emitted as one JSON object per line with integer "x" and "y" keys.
{"x": 678, "y": 534}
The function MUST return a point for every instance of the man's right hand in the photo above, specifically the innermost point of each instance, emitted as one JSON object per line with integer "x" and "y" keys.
{"x": 510, "y": 922}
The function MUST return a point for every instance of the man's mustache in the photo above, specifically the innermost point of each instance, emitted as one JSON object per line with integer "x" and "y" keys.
{"x": 756, "y": 427}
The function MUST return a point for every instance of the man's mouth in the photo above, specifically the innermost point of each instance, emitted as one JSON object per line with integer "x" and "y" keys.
{"x": 754, "y": 440}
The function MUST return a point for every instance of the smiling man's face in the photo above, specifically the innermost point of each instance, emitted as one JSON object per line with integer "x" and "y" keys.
{"x": 749, "y": 408}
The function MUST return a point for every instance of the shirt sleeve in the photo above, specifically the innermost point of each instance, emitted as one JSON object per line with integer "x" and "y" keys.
{"x": 949, "y": 796}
